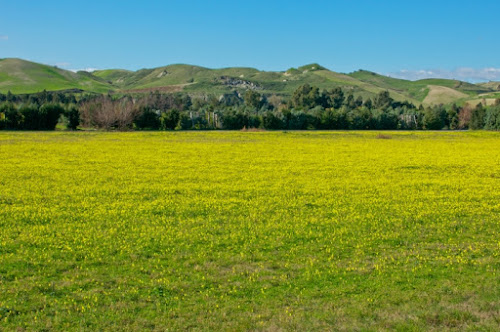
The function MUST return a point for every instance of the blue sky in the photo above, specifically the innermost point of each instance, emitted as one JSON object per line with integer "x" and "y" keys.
{"x": 412, "y": 39}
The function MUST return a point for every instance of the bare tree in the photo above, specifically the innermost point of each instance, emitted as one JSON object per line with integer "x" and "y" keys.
{"x": 464, "y": 116}
{"x": 106, "y": 113}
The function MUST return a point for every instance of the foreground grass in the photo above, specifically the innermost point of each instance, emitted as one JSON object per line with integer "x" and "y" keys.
{"x": 261, "y": 231}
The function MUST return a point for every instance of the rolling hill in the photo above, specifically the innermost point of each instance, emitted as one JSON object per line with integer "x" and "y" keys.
{"x": 20, "y": 76}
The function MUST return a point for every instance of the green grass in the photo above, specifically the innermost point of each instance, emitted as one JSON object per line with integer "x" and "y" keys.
{"x": 311, "y": 67}
{"x": 249, "y": 231}
{"x": 418, "y": 90}
{"x": 464, "y": 87}
{"x": 495, "y": 86}
{"x": 20, "y": 76}
{"x": 373, "y": 84}
{"x": 415, "y": 90}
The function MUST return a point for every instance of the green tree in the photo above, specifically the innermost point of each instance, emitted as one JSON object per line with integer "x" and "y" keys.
{"x": 170, "y": 119}
{"x": 73, "y": 116}
{"x": 336, "y": 98}
{"x": 358, "y": 102}
{"x": 360, "y": 118}
{"x": 10, "y": 97}
{"x": 368, "y": 104}
{"x": 252, "y": 99}
{"x": 492, "y": 118}
{"x": 271, "y": 121}
{"x": 452, "y": 117}
{"x": 49, "y": 115}
{"x": 148, "y": 119}
{"x": 349, "y": 102}
{"x": 12, "y": 118}
{"x": 287, "y": 118}
{"x": 31, "y": 117}
{"x": 384, "y": 120}
{"x": 477, "y": 118}
{"x": 432, "y": 119}
{"x": 330, "y": 119}
{"x": 300, "y": 120}
{"x": 305, "y": 97}
{"x": 185, "y": 122}
{"x": 234, "y": 120}
{"x": 383, "y": 100}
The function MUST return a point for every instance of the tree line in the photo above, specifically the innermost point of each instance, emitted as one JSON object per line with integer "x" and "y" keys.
{"x": 307, "y": 108}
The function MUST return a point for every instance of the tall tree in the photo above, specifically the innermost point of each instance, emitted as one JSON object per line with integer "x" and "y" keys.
{"x": 477, "y": 117}
{"x": 252, "y": 99}
{"x": 336, "y": 98}
{"x": 383, "y": 100}
{"x": 305, "y": 97}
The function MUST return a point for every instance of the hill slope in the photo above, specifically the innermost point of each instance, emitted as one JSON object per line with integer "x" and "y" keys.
{"x": 20, "y": 76}
{"x": 427, "y": 91}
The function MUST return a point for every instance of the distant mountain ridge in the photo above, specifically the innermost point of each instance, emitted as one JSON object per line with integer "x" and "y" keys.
{"x": 21, "y": 77}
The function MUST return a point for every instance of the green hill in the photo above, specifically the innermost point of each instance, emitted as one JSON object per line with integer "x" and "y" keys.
{"x": 20, "y": 76}
{"x": 426, "y": 91}
{"x": 491, "y": 85}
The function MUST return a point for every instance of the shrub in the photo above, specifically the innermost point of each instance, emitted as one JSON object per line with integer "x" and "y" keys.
{"x": 492, "y": 119}
{"x": 185, "y": 122}
{"x": 49, "y": 116}
{"x": 432, "y": 120}
{"x": 148, "y": 119}
{"x": 11, "y": 118}
{"x": 271, "y": 121}
{"x": 169, "y": 120}
{"x": 73, "y": 116}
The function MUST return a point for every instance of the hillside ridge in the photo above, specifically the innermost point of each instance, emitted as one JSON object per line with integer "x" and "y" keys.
{"x": 21, "y": 77}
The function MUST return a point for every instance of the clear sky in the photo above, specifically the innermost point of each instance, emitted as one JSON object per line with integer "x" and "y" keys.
{"x": 403, "y": 38}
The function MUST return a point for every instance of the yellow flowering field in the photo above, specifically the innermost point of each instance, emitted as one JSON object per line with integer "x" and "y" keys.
{"x": 249, "y": 231}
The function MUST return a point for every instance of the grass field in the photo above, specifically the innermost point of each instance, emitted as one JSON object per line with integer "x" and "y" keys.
{"x": 262, "y": 231}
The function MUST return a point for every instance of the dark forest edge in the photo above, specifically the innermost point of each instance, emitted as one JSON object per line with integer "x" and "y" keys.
{"x": 309, "y": 108}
